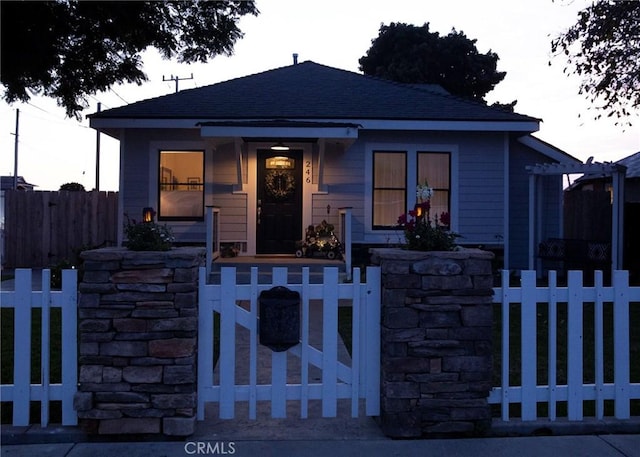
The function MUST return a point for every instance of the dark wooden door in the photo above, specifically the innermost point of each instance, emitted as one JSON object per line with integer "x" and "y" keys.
{"x": 279, "y": 215}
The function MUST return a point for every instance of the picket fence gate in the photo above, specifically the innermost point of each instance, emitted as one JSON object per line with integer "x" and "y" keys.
{"x": 339, "y": 381}
{"x": 572, "y": 299}
{"x": 22, "y": 392}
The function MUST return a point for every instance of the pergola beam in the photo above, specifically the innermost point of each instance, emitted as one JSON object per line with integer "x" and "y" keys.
{"x": 606, "y": 169}
{"x": 615, "y": 170}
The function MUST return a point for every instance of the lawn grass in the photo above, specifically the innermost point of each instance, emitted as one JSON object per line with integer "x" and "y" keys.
{"x": 55, "y": 353}
{"x": 588, "y": 355}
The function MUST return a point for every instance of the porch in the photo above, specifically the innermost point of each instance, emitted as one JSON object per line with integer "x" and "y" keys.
{"x": 265, "y": 263}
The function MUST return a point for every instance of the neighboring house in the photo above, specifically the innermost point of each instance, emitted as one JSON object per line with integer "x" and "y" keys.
{"x": 8, "y": 182}
{"x": 353, "y": 141}
{"x": 593, "y": 194}
{"x": 603, "y": 183}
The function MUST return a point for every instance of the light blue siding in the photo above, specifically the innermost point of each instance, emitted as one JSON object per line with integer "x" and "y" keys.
{"x": 520, "y": 157}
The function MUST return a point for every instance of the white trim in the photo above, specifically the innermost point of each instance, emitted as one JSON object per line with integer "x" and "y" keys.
{"x": 121, "y": 192}
{"x": 299, "y": 132}
{"x": 505, "y": 198}
{"x": 154, "y": 163}
{"x": 252, "y": 198}
{"x": 251, "y": 191}
{"x": 543, "y": 148}
{"x": 279, "y": 132}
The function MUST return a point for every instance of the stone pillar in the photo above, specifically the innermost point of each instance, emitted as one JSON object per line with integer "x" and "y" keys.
{"x": 138, "y": 321}
{"x": 436, "y": 362}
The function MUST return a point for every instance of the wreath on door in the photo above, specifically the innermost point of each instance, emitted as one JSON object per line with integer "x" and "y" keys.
{"x": 279, "y": 184}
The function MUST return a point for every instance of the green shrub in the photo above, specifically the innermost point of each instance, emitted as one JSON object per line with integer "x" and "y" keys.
{"x": 147, "y": 236}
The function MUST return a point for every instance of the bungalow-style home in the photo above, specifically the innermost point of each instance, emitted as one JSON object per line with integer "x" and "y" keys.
{"x": 291, "y": 147}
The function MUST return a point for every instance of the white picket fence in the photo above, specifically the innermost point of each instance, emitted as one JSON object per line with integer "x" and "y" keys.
{"x": 572, "y": 300}
{"x": 23, "y": 300}
{"x": 360, "y": 380}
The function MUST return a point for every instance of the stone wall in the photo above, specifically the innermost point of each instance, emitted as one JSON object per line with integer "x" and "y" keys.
{"x": 138, "y": 337}
{"x": 436, "y": 363}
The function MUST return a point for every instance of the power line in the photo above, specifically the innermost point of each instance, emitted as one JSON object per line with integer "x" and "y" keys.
{"x": 41, "y": 109}
{"x": 56, "y": 119}
{"x": 118, "y": 95}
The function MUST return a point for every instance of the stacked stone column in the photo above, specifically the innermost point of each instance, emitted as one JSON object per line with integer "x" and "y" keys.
{"x": 138, "y": 341}
{"x": 436, "y": 338}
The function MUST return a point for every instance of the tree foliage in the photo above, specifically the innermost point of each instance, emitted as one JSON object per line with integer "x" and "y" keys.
{"x": 68, "y": 49}
{"x": 72, "y": 186}
{"x": 412, "y": 54}
{"x": 603, "y": 47}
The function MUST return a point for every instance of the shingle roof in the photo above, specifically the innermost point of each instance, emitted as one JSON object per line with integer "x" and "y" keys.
{"x": 311, "y": 91}
{"x": 632, "y": 163}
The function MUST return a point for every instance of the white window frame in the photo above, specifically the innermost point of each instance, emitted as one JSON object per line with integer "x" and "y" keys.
{"x": 393, "y": 236}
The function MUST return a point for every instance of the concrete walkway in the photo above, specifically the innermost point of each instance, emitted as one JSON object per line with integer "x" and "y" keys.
{"x": 314, "y": 427}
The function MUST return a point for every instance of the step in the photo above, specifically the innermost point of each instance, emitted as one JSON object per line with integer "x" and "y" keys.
{"x": 294, "y": 272}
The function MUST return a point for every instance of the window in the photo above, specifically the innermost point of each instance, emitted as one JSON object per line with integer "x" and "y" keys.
{"x": 389, "y": 188}
{"x": 181, "y": 184}
{"x": 434, "y": 168}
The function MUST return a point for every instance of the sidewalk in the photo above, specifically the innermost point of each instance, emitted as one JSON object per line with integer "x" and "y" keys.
{"x": 574, "y": 446}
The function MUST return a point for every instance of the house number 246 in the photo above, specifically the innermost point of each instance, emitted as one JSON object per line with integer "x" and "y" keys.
{"x": 307, "y": 171}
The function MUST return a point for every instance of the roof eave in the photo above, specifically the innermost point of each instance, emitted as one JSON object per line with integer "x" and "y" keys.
{"x": 550, "y": 151}
{"x": 525, "y": 126}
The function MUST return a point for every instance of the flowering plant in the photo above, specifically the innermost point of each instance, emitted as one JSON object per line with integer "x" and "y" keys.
{"x": 423, "y": 234}
{"x": 147, "y": 236}
{"x": 424, "y": 192}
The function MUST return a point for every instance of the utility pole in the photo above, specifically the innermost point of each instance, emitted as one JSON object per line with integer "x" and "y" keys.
{"x": 176, "y": 79}
{"x": 15, "y": 154}
{"x": 98, "y": 153}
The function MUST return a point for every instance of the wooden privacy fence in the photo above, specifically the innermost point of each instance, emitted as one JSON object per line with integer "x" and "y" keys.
{"x": 22, "y": 391}
{"x": 45, "y": 228}
{"x": 574, "y": 348}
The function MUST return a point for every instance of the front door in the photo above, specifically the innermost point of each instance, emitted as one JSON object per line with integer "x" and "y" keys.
{"x": 279, "y": 212}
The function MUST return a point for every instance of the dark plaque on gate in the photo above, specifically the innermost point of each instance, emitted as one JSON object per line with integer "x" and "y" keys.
{"x": 279, "y": 318}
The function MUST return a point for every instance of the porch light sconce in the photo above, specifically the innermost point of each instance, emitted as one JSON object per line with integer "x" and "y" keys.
{"x": 148, "y": 214}
{"x": 279, "y": 146}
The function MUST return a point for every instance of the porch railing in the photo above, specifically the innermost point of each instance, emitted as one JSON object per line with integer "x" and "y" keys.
{"x": 345, "y": 235}
{"x": 213, "y": 235}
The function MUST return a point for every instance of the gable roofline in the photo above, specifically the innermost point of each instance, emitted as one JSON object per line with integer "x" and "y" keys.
{"x": 547, "y": 149}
